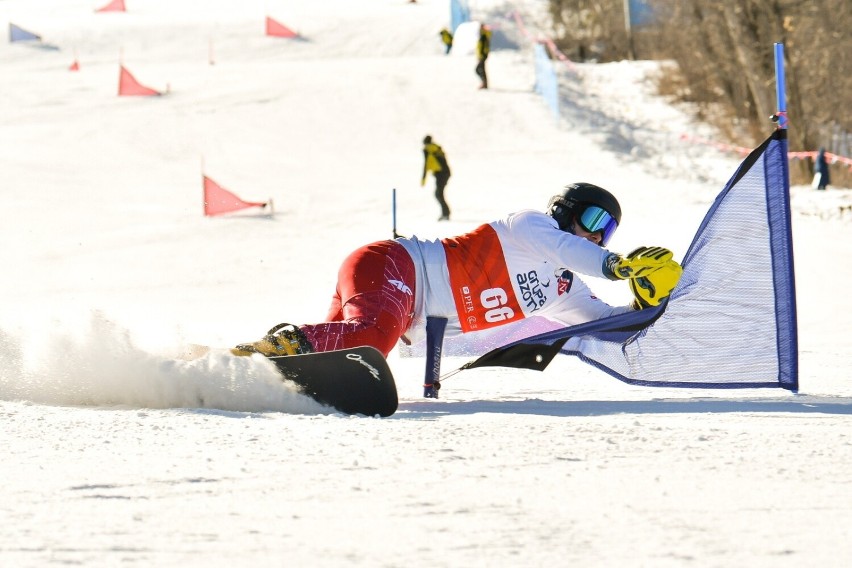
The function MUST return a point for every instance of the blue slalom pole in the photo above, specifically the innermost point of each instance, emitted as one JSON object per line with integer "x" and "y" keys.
{"x": 393, "y": 212}
{"x": 781, "y": 100}
{"x": 435, "y": 327}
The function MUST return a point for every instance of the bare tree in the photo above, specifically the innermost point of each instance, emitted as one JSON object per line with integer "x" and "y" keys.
{"x": 590, "y": 29}
{"x": 724, "y": 55}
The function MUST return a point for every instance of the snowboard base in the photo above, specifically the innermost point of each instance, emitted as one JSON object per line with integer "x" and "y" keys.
{"x": 353, "y": 381}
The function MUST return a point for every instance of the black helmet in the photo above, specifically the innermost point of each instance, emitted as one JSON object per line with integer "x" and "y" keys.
{"x": 575, "y": 201}
{"x": 427, "y": 140}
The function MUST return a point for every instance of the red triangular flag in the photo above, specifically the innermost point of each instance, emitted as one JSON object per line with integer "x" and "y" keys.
{"x": 277, "y": 29}
{"x": 129, "y": 86}
{"x": 75, "y": 66}
{"x": 218, "y": 200}
{"x": 114, "y": 6}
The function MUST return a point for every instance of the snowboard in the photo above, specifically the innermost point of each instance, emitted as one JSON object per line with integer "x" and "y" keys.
{"x": 353, "y": 381}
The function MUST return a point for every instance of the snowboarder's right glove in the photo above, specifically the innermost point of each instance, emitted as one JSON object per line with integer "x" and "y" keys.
{"x": 640, "y": 262}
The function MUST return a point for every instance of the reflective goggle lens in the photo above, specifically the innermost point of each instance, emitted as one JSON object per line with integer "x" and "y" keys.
{"x": 594, "y": 219}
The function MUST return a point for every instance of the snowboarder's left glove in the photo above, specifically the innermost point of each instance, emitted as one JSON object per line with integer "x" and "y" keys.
{"x": 652, "y": 289}
{"x": 640, "y": 262}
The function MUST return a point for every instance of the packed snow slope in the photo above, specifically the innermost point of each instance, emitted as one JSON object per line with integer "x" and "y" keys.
{"x": 116, "y": 451}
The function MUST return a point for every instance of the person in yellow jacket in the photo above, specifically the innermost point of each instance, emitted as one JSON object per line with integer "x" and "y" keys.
{"x": 483, "y": 48}
{"x": 435, "y": 161}
{"x": 447, "y": 39}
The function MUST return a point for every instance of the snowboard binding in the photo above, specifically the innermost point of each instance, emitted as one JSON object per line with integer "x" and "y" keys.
{"x": 283, "y": 339}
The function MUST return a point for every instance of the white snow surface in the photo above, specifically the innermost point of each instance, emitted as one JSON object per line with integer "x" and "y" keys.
{"x": 115, "y": 452}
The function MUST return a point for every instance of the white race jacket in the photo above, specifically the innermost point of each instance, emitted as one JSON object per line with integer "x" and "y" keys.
{"x": 504, "y": 272}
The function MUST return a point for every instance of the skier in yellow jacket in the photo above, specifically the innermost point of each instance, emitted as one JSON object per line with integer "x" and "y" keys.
{"x": 447, "y": 39}
{"x": 483, "y": 48}
{"x": 435, "y": 161}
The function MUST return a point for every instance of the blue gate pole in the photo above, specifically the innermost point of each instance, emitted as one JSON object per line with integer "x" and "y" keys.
{"x": 393, "y": 211}
{"x": 780, "y": 97}
{"x": 435, "y": 327}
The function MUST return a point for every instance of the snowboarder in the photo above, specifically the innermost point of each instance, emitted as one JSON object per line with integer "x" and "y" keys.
{"x": 483, "y": 48}
{"x": 497, "y": 274}
{"x": 435, "y": 161}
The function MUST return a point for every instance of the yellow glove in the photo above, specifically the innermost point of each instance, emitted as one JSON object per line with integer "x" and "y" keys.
{"x": 422, "y": 181}
{"x": 654, "y": 287}
{"x": 640, "y": 262}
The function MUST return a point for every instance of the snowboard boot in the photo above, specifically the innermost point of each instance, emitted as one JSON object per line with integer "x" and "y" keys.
{"x": 283, "y": 339}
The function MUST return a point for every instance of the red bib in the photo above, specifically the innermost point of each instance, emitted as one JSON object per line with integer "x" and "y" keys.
{"x": 482, "y": 288}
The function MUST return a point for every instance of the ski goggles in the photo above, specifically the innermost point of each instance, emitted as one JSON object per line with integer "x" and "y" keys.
{"x": 596, "y": 219}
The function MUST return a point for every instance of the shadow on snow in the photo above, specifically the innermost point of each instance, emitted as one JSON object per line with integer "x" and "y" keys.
{"x": 797, "y": 405}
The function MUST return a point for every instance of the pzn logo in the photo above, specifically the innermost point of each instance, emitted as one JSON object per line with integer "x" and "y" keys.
{"x": 564, "y": 281}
